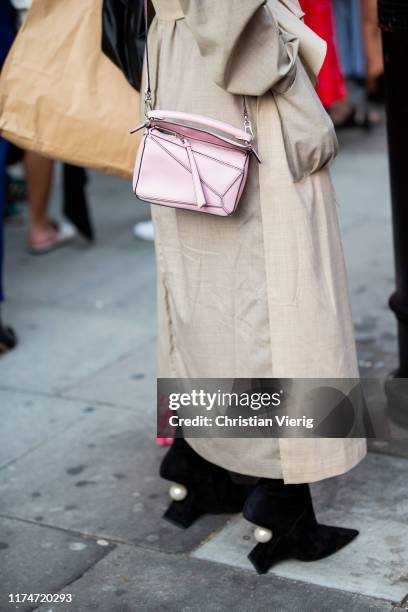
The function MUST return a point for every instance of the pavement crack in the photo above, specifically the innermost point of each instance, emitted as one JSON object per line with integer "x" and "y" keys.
{"x": 36, "y": 446}
{"x": 81, "y": 575}
{"x": 73, "y": 532}
{"x": 60, "y": 396}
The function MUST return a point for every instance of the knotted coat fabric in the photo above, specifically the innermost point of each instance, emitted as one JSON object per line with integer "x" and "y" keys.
{"x": 262, "y": 293}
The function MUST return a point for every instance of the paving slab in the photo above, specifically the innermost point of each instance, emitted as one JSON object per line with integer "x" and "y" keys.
{"x": 131, "y": 580}
{"x": 89, "y": 277}
{"x": 135, "y": 381}
{"x": 376, "y": 488}
{"x": 101, "y": 479}
{"x": 28, "y": 420}
{"x": 375, "y": 564}
{"x": 35, "y": 559}
{"x": 60, "y": 347}
{"x": 370, "y": 498}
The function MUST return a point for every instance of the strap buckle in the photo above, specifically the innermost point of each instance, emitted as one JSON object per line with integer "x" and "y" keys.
{"x": 248, "y": 126}
{"x": 148, "y": 102}
{"x": 247, "y": 122}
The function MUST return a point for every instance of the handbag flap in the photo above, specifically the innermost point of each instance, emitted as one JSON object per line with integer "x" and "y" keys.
{"x": 219, "y": 169}
{"x": 173, "y": 167}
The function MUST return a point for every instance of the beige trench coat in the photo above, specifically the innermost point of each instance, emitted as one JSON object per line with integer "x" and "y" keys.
{"x": 262, "y": 293}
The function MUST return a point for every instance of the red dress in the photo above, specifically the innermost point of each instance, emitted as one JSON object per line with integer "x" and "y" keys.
{"x": 320, "y": 18}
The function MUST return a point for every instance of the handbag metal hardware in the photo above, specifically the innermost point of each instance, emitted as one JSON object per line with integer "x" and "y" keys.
{"x": 190, "y": 161}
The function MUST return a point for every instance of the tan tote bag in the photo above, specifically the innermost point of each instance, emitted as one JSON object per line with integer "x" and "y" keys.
{"x": 60, "y": 95}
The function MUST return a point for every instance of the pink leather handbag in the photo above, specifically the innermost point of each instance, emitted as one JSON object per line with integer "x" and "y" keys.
{"x": 191, "y": 161}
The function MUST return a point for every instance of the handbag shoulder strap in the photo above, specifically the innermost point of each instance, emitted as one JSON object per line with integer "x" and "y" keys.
{"x": 148, "y": 91}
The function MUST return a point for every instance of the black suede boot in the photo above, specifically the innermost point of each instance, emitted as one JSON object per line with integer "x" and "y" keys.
{"x": 287, "y": 525}
{"x": 200, "y": 487}
{"x": 8, "y": 338}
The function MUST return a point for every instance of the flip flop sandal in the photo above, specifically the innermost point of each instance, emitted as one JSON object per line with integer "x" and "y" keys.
{"x": 65, "y": 234}
{"x": 8, "y": 339}
{"x": 357, "y": 118}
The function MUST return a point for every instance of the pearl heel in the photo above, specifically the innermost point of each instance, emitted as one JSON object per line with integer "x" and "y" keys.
{"x": 287, "y": 526}
{"x": 198, "y": 486}
{"x": 178, "y": 492}
{"x": 263, "y": 535}
{"x": 184, "y": 510}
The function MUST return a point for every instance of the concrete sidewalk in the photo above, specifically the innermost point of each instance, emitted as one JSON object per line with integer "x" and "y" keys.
{"x": 80, "y": 501}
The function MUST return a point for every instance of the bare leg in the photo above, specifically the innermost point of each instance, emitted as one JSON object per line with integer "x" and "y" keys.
{"x": 341, "y": 110}
{"x": 372, "y": 44}
{"x": 39, "y": 176}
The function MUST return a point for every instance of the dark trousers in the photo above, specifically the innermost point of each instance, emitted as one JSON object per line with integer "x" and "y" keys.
{"x": 7, "y": 33}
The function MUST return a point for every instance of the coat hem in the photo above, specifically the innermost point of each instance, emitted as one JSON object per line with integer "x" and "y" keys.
{"x": 336, "y": 467}
{"x": 275, "y": 468}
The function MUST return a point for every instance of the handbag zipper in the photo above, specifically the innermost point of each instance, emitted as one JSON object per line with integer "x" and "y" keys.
{"x": 209, "y": 132}
{"x": 248, "y": 147}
